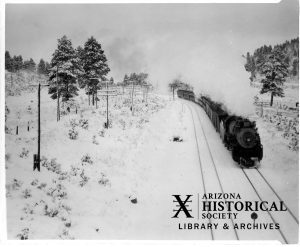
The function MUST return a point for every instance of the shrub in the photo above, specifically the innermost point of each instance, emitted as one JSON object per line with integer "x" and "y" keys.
{"x": 51, "y": 212}
{"x": 73, "y": 123}
{"x": 24, "y": 234}
{"x": 26, "y": 193}
{"x": 84, "y": 179}
{"x": 84, "y": 123}
{"x": 24, "y": 153}
{"x": 104, "y": 180}
{"x": 73, "y": 134}
{"x": 95, "y": 140}
{"x": 86, "y": 159}
{"x": 102, "y": 133}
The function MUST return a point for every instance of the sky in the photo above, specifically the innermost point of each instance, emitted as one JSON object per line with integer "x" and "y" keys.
{"x": 201, "y": 43}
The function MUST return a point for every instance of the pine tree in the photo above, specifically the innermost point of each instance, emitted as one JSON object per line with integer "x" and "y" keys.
{"x": 42, "y": 67}
{"x": 8, "y": 62}
{"x": 79, "y": 54}
{"x": 47, "y": 68}
{"x": 111, "y": 80}
{"x": 63, "y": 71}
{"x": 29, "y": 65}
{"x": 295, "y": 69}
{"x": 274, "y": 70}
{"x": 94, "y": 65}
{"x": 19, "y": 63}
{"x": 125, "y": 80}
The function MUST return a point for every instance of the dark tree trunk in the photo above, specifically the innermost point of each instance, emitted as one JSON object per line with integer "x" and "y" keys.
{"x": 93, "y": 97}
{"x": 173, "y": 92}
{"x": 272, "y": 95}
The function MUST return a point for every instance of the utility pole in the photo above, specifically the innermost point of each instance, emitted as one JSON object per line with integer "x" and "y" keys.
{"x": 39, "y": 128}
{"x": 106, "y": 104}
{"x": 57, "y": 94}
{"x": 37, "y": 157}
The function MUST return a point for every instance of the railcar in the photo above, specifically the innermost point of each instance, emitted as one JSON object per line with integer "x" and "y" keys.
{"x": 186, "y": 94}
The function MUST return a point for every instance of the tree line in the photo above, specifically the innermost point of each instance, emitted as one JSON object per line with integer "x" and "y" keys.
{"x": 289, "y": 54}
{"x": 16, "y": 64}
{"x": 136, "y": 79}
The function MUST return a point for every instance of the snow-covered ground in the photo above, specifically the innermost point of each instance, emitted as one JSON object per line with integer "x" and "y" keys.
{"x": 117, "y": 183}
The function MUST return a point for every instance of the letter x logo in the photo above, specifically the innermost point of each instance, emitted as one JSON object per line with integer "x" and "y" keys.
{"x": 182, "y": 206}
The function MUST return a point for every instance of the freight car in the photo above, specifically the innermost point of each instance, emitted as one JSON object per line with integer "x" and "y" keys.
{"x": 238, "y": 134}
{"x": 186, "y": 94}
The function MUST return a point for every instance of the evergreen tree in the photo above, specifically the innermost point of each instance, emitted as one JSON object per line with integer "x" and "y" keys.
{"x": 42, "y": 67}
{"x": 274, "y": 71}
{"x": 47, "y": 68}
{"x": 80, "y": 54}
{"x": 250, "y": 66}
{"x": 8, "y": 62}
{"x": 63, "y": 67}
{"x": 125, "y": 80}
{"x": 295, "y": 69}
{"x": 29, "y": 65}
{"x": 19, "y": 63}
{"x": 32, "y": 65}
{"x": 111, "y": 80}
{"x": 94, "y": 65}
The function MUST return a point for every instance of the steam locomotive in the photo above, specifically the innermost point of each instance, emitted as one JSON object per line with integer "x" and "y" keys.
{"x": 238, "y": 134}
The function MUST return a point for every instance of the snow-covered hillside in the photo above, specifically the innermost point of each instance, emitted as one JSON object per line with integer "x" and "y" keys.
{"x": 22, "y": 81}
{"x": 117, "y": 183}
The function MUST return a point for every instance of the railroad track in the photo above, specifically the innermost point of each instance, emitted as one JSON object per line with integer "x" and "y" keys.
{"x": 214, "y": 166}
{"x": 255, "y": 178}
{"x": 260, "y": 185}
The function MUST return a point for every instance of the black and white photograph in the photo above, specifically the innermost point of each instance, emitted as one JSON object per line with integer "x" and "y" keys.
{"x": 150, "y": 121}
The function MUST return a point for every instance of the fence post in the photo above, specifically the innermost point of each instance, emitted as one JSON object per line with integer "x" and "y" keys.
{"x": 17, "y": 130}
{"x": 28, "y": 127}
{"x": 262, "y": 109}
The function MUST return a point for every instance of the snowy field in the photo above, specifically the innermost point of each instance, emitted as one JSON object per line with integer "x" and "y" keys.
{"x": 116, "y": 183}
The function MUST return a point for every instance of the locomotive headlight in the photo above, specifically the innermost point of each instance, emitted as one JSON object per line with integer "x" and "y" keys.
{"x": 246, "y": 138}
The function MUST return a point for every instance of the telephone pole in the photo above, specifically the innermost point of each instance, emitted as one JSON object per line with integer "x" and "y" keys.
{"x": 57, "y": 94}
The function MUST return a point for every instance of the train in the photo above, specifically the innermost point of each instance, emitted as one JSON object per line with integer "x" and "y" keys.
{"x": 239, "y": 134}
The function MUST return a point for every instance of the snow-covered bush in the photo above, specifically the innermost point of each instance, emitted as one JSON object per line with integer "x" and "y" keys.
{"x": 34, "y": 182}
{"x": 63, "y": 176}
{"x": 289, "y": 126}
{"x": 84, "y": 179}
{"x": 74, "y": 171}
{"x": 42, "y": 186}
{"x": 59, "y": 192}
{"x": 102, "y": 133}
{"x": 24, "y": 234}
{"x": 26, "y": 193}
{"x": 95, "y": 140}
{"x": 28, "y": 209}
{"x": 52, "y": 166}
{"x": 66, "y": 234}
{"x": 73, "y": 134}
{"x": 103, "y": 180}
{"x": 73, "y": 123}
{"x": 86, "y": 159}
{"x": 50, "y": 211}
{"x": 24, "y": 153}
{"x": 84, "y": 123}
{"x": 14, "y": 185}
